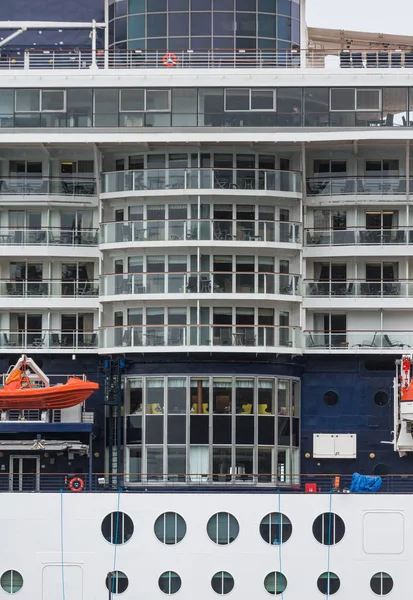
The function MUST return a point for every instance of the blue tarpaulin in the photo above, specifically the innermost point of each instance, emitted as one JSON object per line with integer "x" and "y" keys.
{"x": 363, "y": 483}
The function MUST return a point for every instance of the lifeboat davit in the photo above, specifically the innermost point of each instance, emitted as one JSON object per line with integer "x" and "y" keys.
{"x": 27, "y": 387}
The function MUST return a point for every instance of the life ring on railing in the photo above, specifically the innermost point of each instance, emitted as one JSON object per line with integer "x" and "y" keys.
{"x": 169, "y": 60}
{"x": 76, "y": 484}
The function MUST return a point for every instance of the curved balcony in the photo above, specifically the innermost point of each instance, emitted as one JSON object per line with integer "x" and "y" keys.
{"x": 381, "y": 186}
{"x": 252, "y": 181}
{"x": 342, "y": 242}
{"x": 356, "y": 288}
{"x": 55, "y": 340}
{"x": 47, "y": 186}
{"x": 194, "y": 231}
{"x": 141, "y": 284}
{"x": 361, "y": 341}
{"x": 201, "y": 338}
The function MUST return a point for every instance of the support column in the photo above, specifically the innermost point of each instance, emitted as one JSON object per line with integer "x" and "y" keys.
{"x": 106, "y": 35}
{"x": 303, "y": 34}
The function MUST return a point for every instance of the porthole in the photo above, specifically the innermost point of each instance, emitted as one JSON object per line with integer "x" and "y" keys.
{"x": 11, "y": 582}
{"x": 169, "y": 582}
{"x": 116, "y": 582}
{"x": 328, "y": 583}
{"x": 117, "y": 528}
{"x": 222, "y": 583}
{"x": 170, "y": 528}
{"x": 381, "y": 398}
{"x": 328, "y": 529}
{"x": 330, "y": 398}
{"x": 275, "y": 528}
{"x": 381, "y": 584}
{"x": 381, "y": 469}
{"x": 275, "y": 583}
{"x": 223, "y": 528}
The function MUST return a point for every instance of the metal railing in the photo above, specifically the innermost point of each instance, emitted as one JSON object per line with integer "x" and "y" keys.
{"x": 355, "y": 186}
{"x": 12, "y": 340}
{"x": 359, "y": 236}
{"x": 249, "y": 337}
{"x": 146, "y": 180}
{"x": 47, "y": 236}
{"x": 223, "y": 230}
{"x": 330, "y": 58}
{"x": 369, "y": 340}
{"x": 200, "y": 283}
{"x": 48, "y": 288}
{"x": 358, "y": 288}
{"x": 30, "y": 185}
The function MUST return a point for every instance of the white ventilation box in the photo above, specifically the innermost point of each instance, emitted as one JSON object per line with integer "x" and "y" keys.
{"x": 335, "y": 445}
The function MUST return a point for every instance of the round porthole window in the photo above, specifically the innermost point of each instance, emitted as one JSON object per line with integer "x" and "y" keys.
{"x": 381, "y": 584}
{"x": 11, "y": 582}
{"x": 328, "y": 529}
{"x": 169, "y": 582}
{"x": 330, "y": 398}
{"x": 381, "y": 398}
{"x": 117, "y": 528}
{"x": 328, "y": 583}
{"x": 170, "y": 528}
{"x": 116, "y": 582}
{"x": 275, "y": 583}
{"x": 275, "y": 528}
{"x": 222, "y": 582}
{"x": 381, "y": 469}
{"x": 223, "y": 528}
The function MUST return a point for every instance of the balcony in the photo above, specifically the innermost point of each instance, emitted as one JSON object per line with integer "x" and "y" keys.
{"x": 47, "y": 186}
{"x": 365, "y": 342}
{"x": 219, "y": 179}
{"x": 357, "y": 186}
{"x": 359, "y": 236}
{"x": 142, "y": 284}
{"x": 53, "y": 340}
{"x": 200, "y": 230}
{"x": 201, "y": 338}
{"x": 47, "y": 236}
{"x": 49, "y": 288}
{"x": 356, "y": 288}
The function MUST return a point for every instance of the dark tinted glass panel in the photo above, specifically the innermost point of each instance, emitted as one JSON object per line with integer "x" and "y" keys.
{"x": 199, "y": 429}
{"x": 178, "y": 24}
{"x": 154, "y": 429}
{"x": 222, "y": 430}
{"x": 79, "y": 107}
{"x": 267, "y": 6}
{"x": 284, "y": 28}
{"x": 156, "y": 43}
{"x": 201, "y": 23}
{"x": 328, "y": 529}
{"x": 156, "y": 25}
{"x": 244, "y": 430}
{"x": 222, "y": 43}
{"x": 246, "y": 24}
{"x": 121, "y": 8}
{"x": 266, "y": 431}
{"x": 178, "y": 5}
{"x": 223, "y": 4}
{"x": 284, "y": 431}
{"x": 247, "y": 5}
{"x": 201, "y": 43}
{"x": 295, "y": 438}
{"x": 120, "y": 29}
{"x": 136, "y": 6}
{"x": 176, "y": 429}
{"x": 266, "y": 26}
{"x": 136, "y": 27}
{"x": 201, "y": 4}
{"x": 284, "y": 7}
{"x": 224, "y": 24}
{"x": 134, "y": 429}
{"x": 156, "y": 6}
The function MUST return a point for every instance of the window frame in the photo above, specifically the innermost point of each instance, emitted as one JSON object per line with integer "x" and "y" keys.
{"x": 27, "y": 90}
{"x": 135, "y": 110}
{"x": 60, "y": 110}
{"x": 250, "y": 91}
{"x": 158, "y": 110}
{"x": 356, "y": 92}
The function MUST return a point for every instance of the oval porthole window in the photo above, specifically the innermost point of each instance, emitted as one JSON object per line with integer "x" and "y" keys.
{"x": 276, "y": 528}
{"x": 381, "y": 398}
{"x": 222, "y": 583}
{"x": 170, "y": 528}
{"x": 169, "y": 582}
{"x": 328, "y": 583}
{"x": 117, "y": 528}
{"x": 330, "y": 398}
{"x": 381, "y": 584}
{"x": 275, "y": 583}
{"x": 328, "y": 529}
{"x": 117, "y": 582}
{"x": 11, "y": 582}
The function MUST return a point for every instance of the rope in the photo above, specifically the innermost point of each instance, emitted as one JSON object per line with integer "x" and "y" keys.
{"x": 61, "y": 545}
{"x": 330, "y": 515}
{"x": 279, "y": 547}
{"x": 116, "y": 543}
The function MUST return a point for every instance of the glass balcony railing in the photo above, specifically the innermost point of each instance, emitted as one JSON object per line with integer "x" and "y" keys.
{"x": 38, "y": 186}
{"x": 53, "y": 288}
{"x": 370, "y": 340}
{"x": 146, "y": 180}
{"x": 359, "y": 236}
{"x": 247, "y": 336}
{"x": 200, "y": 283}
{"x": 359, "y": 289}
{"x": 47, "y": 236}
{"x": 13, "y": 340}
{"x": 354, "y": 186}
{"x": 284, "y": 232}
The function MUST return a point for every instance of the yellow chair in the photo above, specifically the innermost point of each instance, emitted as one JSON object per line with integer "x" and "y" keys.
{"x": 246, "y": 409}
{"x": 157, "y": 409}
{"x": 262, "y": 409}
{"x": 138, "y": 411}
{"x": 205, "y": 409}
{"x": 194, "y": 408}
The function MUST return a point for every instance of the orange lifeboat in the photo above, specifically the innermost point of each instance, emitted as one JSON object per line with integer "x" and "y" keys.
{"x": 26, "y": 387}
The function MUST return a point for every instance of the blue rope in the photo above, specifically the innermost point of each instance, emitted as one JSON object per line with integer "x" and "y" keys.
{"x": 330, "y": 515}
{"x": 116, "y": 543}
{"x": 61, "y": 545}
{"x": 279, "y": 547}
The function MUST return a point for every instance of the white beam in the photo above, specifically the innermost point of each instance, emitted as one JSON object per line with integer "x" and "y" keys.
{"x": 12, "y": 36}
{"x": 48, "y": 25}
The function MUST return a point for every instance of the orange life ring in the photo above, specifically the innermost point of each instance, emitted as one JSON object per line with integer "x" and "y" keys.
{"x": 169, "y": 60}
{"x": 76, "y": 484}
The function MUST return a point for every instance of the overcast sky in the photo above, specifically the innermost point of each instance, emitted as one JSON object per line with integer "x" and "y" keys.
{"x": 377, "y": 16}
